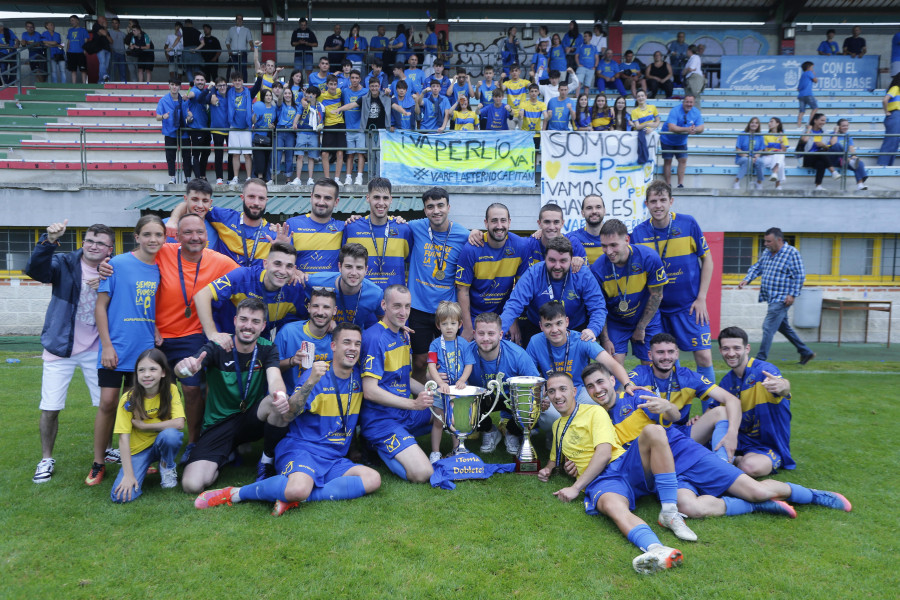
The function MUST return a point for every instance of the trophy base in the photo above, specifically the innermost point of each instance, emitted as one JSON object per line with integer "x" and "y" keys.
{"x": 528, "y": 467}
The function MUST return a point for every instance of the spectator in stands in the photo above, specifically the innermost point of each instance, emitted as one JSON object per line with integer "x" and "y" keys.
{"x": 692, "y": 75}
{"x": 8, "y": 43}
{"x": 608, "y": 74}
{"x": 303, "y": 40}
{"x": 356, "y": 138}
{"x": 816, "y": 144}
{"x": 495, "y": 115}
{"x": 631, "y": 73}
{"x": 464, "y": 118}
{"x": 560, "y": 114}
{"x": 431, "y": 47}
{"x": 895, "y": 54}
{"x": 131, "y": 54}
{"x": 190, "y": 39}
{"x": 172, "y": 112}
{"x": 37, "y": 56}
{"x": 174, "y": 48}
{"x": 197, "y": 119}
{"x": 117, "y": 51}
{"x": 311, "y": 115}
{"x": 556, "y": 55}
{"x": 240, "y": 141}
{"x": 398, "y": 47}
{"x": 550, "y": 89}
{"x": 749, "y": 148}
{"x": 286, "y": 136}
{"x": 538, "y": 70}
{"x": 601, "y": 114}
{"x": 583, "y": 113}
{"x": 403, "y": 106}
{"x": 659, "y": 76}
{"x": 238, "y": 43}
{"x": 102, "y": 44}
{"x": 264, "y": 120}
{"x": 586, "y": 60}
{"x": 855, "y": 45}
{"x": 805, "y": 90}
{"x": 829, "y": 47}
{"x": 414, "y": 74}
{"x": 621, "y": 121}
{"x": 344, "y": 75}
{"x": 533, "y": 114}
{"x": 56, "y": 57}
{"x": 438, "y": 75}
{"x": 776, "y": 146}
{"x": 599, "y": 39}
{"x": 516, "y": 89}
{"x": 510, "y": 52}
{"x": 571, "y": 42}
{"x": 219, "y": 123}
{"x": 76, "y": 61}
{"x": 377, "y": 45}
{"x": 334, "y": 139}
{"x": 683, "y": 120}
{"x": 318, "y": 78}
{"x": 487, "y": 86}
{"x": 445, "y": 49}
{"x": 433, "y": 108}
{"x": 461, "y": 87}
{"x": 356, "y": 47}
{"x": 146, "y": 55}
{"x": 334, "y": 45}
{"x": 644, "y": 116}
{"x": 543, "y": 35}
{"x": 295, "y": 84}
{"x": 891, "y": 103}
{"x": 413, "y": 89}
{"x": 377, "y": 74}
{"x": 210, "y": 49}
{"x": 678, "y": 56}
{"x": 841, "y": 141}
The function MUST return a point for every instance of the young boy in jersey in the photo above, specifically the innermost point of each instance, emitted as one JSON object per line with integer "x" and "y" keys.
{"x": 515, "y": 88}
{"x": 487, "y": 86}
{"x": 560, "y": 111}
{"x": 312, "y": 113}
{"x": 532, "y": 112}
{"x": 450, "y": 362}
{"x": 462, "y": 86}
{"x": 496, "y": 115}
{"x": 438, "y": 76}
{"x": 319, "y": 78}
{"x": 333, "y": 137}
{"x": 403, "y": 107}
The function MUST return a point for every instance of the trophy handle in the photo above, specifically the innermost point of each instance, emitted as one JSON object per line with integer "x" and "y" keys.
{"x": 494, "y": 386}
{"x": 432, "y": 387}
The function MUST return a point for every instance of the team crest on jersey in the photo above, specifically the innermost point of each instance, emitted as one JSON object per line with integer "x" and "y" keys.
{"x": 572, "y": 295}
{"x": 355, "y": 386}
{"x": 460, "y": 271}
{"x": 392, "y": 443}
{"x": 635, "y": 268}
{"x": 331, "y": 228}
{"x": 392, "y": 232}
{"x": 222, "y": 282}
{"x": 704, "y": 338}
{"x": 509, "y": 251}
{"x": 660, "y": 273}
{"x": 624, "y": 412}
{"x": 288, "y": 468}
{"x": 676, "y": 232}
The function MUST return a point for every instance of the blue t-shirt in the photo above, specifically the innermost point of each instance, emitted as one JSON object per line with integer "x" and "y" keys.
{"x": 265, "y": 117}
{"x": 177, "y": 112}
{"x": 352, "y": 116}
{"x": 326, "y": 425}
{"x": 411, "y": 87}
{"x": 244, "y": 244}
{"x": 76, "y": 36}
{"x": 805, "y": 87}
{"x": 608, "y": 68}
{"x": 895, "y": 47}
{"x": 451, "y": 357}
{"x": 52, "y": 37}
{"x": 485, "y": 92}
{"x": 284, "y": 305}
{"x": 444, "y": 81}
{"x": 286, "y": 115}
{"x": 362, "y": 308}
{"x": 458, "y": 91}
{"x": 343, "y": 81}
{"x": 288, "y": 340}
{"x": 317, "y": 244}
{"x": 33, "y": 51}
{"x": 433, "y": 111}
{"x": 571, "y": 358}
{"x": 399, "y": 120}
{"x": 198, "y": 108}
{"x": 678, "y": 117}
{"x": 378, "y": 42}
{"x": 747, "y": 142}
{"x": 586, "y": 55}
{"x": 316, "y": 80}
{"x": 431, "y": 42}
{"x": 680, "y": 247}
{"x": 631, "y": 283}
{"x": 402, "y": 55}
{"x": 539, "y": 61}
{"x": 416, "y": 76}
{"x": 512, "y": 361}
{"x": 430, "y": 251}
{"x": 240, "y": 106}
{"x": 829, "y": 48}
{"x": 557, "y": 58}
{"x": 381, "y": 78}
{"x": 490, "y": 273}
{"x": 496, "y": 117}
{"x": 387, "y": 259}
{"x": 560, "y": 113}
{"x": 356, "y": 47}
{"x": 132, "y": 308}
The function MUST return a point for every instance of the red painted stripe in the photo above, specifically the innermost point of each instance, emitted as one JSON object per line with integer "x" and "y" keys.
{"x": 111, "y": 146}
{"x": 118, "y": 99}
{"x": 94, "y": 112}
{"x": 76, "y": 166}
{"x": 92, "y": 129}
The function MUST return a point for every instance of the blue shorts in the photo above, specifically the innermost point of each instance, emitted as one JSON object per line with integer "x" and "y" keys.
{"x": 685, "y": 451}
{"x": 293, "y": 456}
{"x": 356, "y": 142}
{"x": 747, "y": 444}
{"x": 395, "y": 433}
{"x": 624, "y": 476}
{"x": 620, "y": 334}
{"x": 180, "y": 348}
{"x": 677, "y": 151}
{"x": 307, "y": 140}
{"x": 809, "y": 101}
{"x": 689, "y": 335}
{"x": 711, "y": 475}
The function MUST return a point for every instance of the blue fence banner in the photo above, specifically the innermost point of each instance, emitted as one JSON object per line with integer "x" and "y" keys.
{"x": 485, "y": 158}
{"x": 770, "y": 73}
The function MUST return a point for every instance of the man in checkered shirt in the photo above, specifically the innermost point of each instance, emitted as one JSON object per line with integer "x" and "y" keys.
{"x": 781, "y": 269}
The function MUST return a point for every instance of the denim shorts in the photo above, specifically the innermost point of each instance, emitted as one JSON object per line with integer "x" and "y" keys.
{"x": 305, "y": 143}
{"x": 809, "y": 101}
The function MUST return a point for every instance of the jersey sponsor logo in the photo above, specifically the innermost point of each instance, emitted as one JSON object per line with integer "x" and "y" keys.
{"x": 660, "y": 273}
{"x": 572, "y": 295}
{"x": 222, "y": 283}
{"x": 460, "y": 271}
{"x": 392, "y": 443}
{"x": 288, "y": 468}
{"x": 229, "y": 363}
{"x": 370, "y": 360}
{"x": 704, "y": 339}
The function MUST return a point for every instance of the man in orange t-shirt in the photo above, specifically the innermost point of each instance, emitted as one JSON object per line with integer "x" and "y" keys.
{"x": 176, "y": 315}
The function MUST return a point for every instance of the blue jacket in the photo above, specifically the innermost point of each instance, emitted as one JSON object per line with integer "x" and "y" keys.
{"x": 63, "y": 271}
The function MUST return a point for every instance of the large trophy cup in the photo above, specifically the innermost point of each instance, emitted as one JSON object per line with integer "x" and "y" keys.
{"x": 524, "y": 401}
{"x": 463, "y": 410}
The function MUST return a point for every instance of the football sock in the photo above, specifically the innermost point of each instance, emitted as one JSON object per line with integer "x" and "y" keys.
{"x": 393, "y": 464}
{"x": 736, "y": 506}
{"x": 266, "y": 459}
{"x": 718, "y": 433}
{"x": 708, "y": 372}
{"x": 267, "y": 490}
{"x": 271, "y": 436}
{"x": 342, "y": 488}
{"x": 643, "y": 537}
{"x": 666, "y": 488}
{"x": 800, "y": 494}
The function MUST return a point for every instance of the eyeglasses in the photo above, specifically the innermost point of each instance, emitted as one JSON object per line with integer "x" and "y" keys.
{"x": 95, "y": 243}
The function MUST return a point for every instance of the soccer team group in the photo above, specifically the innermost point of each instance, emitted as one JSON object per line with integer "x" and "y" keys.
{"x": 363, "y": 313}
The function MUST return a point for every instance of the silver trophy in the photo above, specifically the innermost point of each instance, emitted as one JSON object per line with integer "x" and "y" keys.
{"x": 524, "y": 401}
{"x": 463, "y": 410}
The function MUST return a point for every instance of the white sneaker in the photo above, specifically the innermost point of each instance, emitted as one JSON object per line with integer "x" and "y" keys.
{"x": 44, "y": 470}
{"x": 434, "y": 457}
{"x": 774, "y": 177}
{"x": 270, "y": 182}
{"x": 339, "y": 182}
{"x": 348, "y": 180}
{"x": 490, "y": 440}
{"x": 296, "y": 182}
{"x": 310, "y": 181}
{"x": 657, "y": 558}
{"x": 835, "y": 175}
{"x": 220, "y": 181}
{"x": 736, "y": 185}
{"x": 112, "y": 456}
{"x": 820, "y": 188}
{"x": 358, "y": 180}
{"x": 171, "y": 180}
{"x": 675, "y": 522}
{"x": 861, "y": 186}
{"x": 234, "y": 181}
{"x": 513, "y": 444}
{"x": 169, "y": 477}
{"x": 757, "y": 186}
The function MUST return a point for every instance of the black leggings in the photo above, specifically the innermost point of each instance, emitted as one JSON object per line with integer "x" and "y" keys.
{"x": 653, "y": 86}
{"x": 219, "y": 142}
{"x": 820, "y": 164}
{"x": 172, "y": 152}
{"x": 261, "y": 157}
{"x": 199, "y": 152}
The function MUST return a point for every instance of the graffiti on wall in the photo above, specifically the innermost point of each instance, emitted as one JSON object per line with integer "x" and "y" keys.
{"x": 730, "y": 42}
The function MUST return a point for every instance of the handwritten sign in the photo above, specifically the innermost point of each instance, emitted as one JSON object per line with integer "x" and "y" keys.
{"x": 768, "y": 73}
{"x": 487, "y": 158}
{"x": 575, "y": 164}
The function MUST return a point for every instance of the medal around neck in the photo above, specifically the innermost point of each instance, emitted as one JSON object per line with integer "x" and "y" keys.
{"x": 463, "y": 409}
{"x": 524, "y": 400}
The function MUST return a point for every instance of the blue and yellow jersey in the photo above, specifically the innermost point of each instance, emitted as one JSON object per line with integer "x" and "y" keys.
{"x": 643, "y": 115}
{"x": 766, "y": 418}
{"x": 535, "y": 250}
{"x": 434, "y": 251}
{"x": 466, "y": 120}
{"x": 332, "y": 102}
{"x": 817, "y": 136}
{"x": 680, "y": 388}
{"x": 680, "y": 246}
{"x": 288, "y": 340}
{"x": 631, "y": 283}
{"x": 894, "y": 100}
{"x": 387, "y": 260}
{"x": 512, "y": 360}
{"x": 516, "y": 91}
{"x": 601, "y": 120}
{"x": 362, "y": 308}
{"x": 387, "y": 357}
{"x": 590, "y": 243}
{"x": 234, "y": 237}
{"x": 532, "y": 114}
{"x": 330, "y": 414}
{"x": 776, "y": 142}
{"x": 589, "y": 428}
{"x": 629, "y": 420}
{"x": 284, "y": 305}
{"x": 317, "y": 244}
{"x": 571, "y": 358}
{"x": 490, "y": 273}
